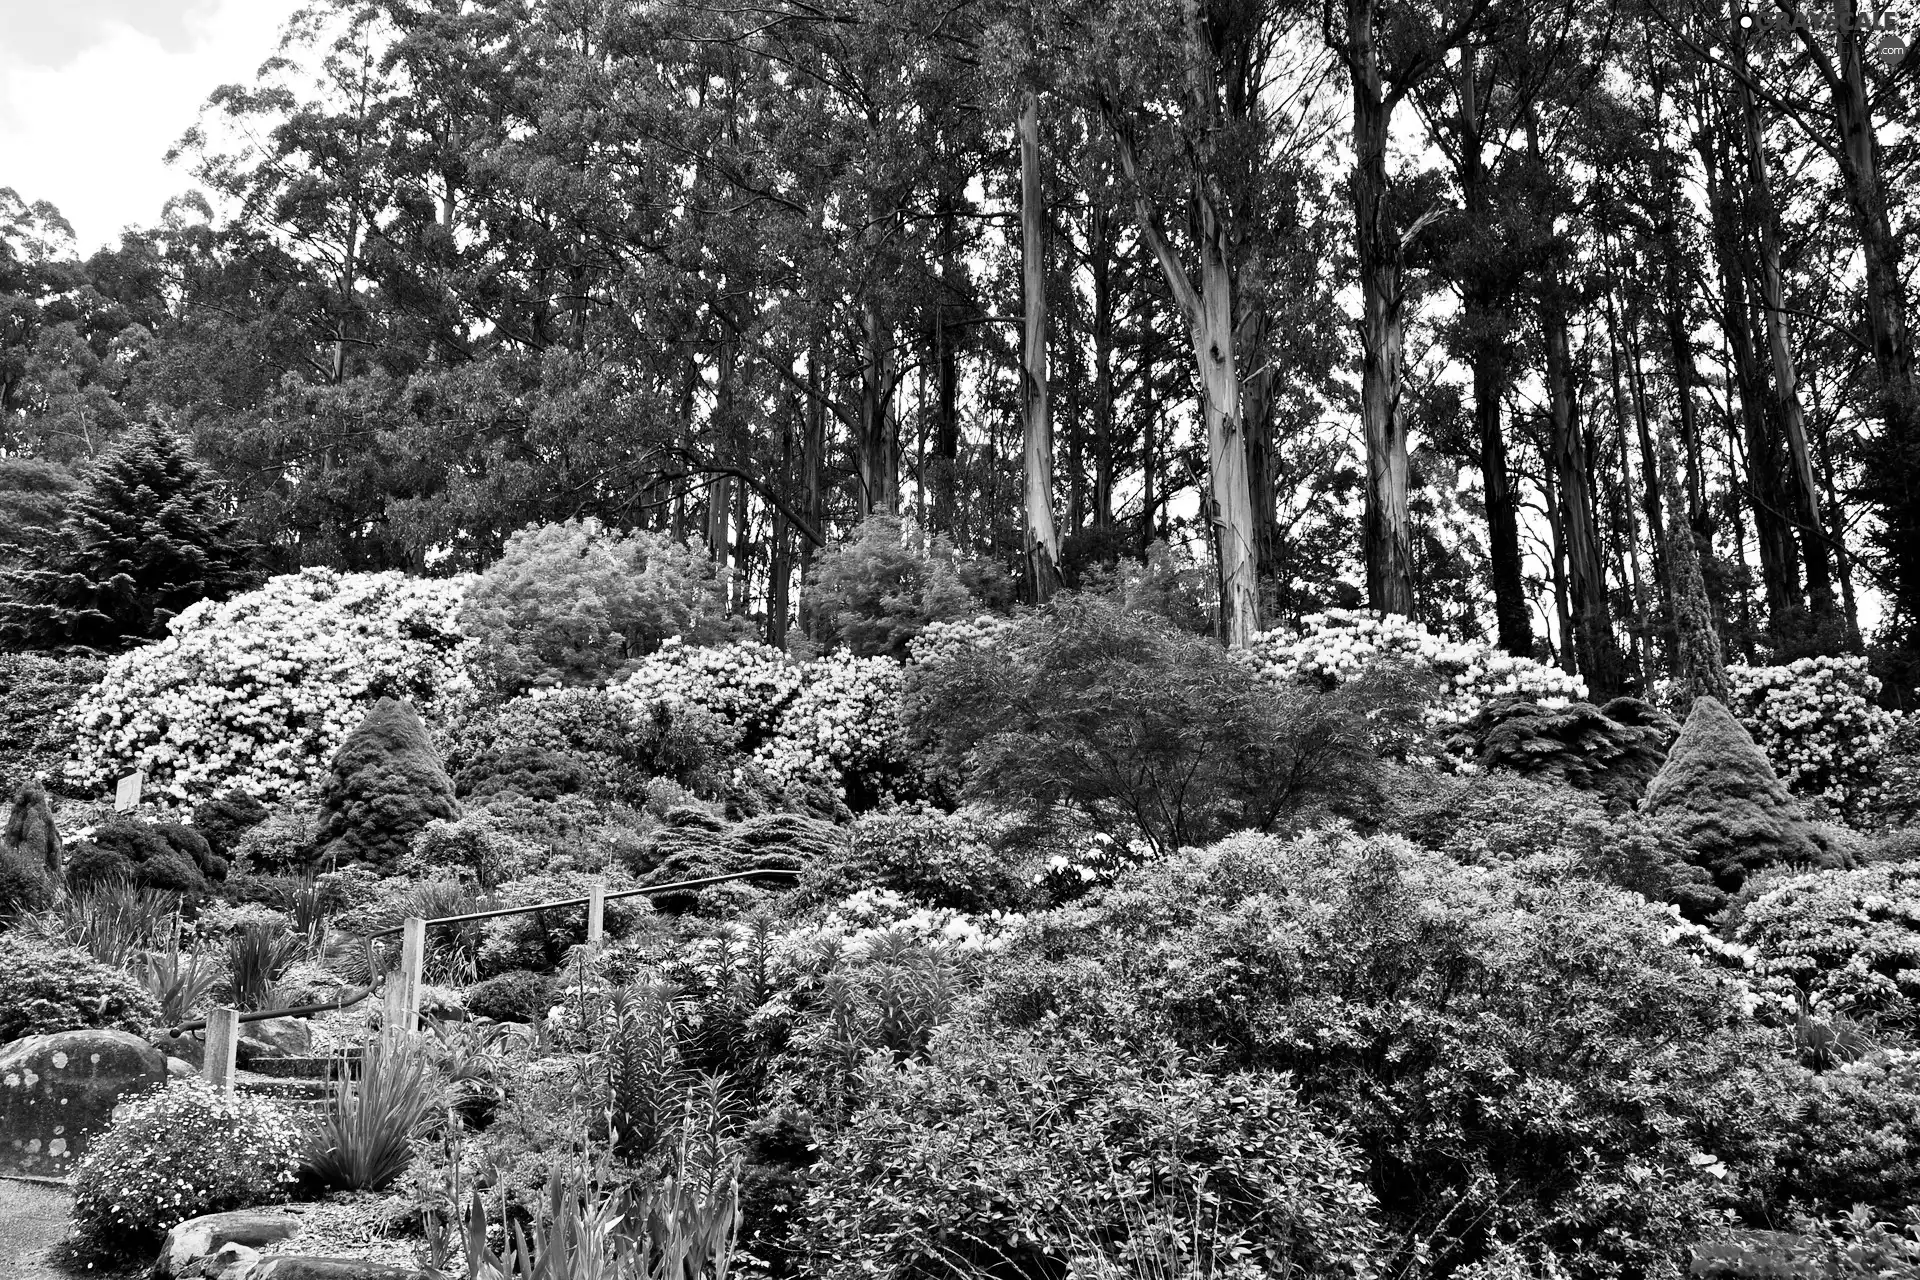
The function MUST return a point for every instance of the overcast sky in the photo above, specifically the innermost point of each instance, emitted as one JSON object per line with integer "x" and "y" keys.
{"x": 94, "y": 92}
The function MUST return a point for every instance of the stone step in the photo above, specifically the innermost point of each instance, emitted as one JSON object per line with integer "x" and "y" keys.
{"x": 283, "y": 1088}
{"x": 305, "y": 1068}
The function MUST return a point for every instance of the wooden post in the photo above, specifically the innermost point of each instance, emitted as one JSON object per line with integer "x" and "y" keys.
{"x": 223, "y": 1039}
{"x": 403, "y": 984}
{"x": 596, "y": 910}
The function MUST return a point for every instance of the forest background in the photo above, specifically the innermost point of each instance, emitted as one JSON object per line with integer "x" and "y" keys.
{"x": 1501, "y": 315}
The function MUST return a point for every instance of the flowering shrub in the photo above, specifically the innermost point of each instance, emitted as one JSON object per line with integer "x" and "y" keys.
{"x": 746, "y": 684}
{"x": 1100, "y": 861}
{"x": 1817, "y": 722}
{"x": 257, "y": 692}
{"x": 1340, "y": 645}
{"x": 943, "y": 641}
{"x": 843, "y": 729}
{"x": 1851, "y": 939}
{"x": 179, "y": 1152}
{"x": 937, "y": 859}
{"x": 1851, "y": 1140}
{"x": 861, "y": 920}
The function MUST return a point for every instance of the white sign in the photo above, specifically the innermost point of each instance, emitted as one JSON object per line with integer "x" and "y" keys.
{"x": 128, "y": 794}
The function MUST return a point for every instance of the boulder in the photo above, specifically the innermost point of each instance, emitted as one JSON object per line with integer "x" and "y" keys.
{"x": 177, "y": 1067}
{"x": 274, "y": 1038}
{"x": 188, "y": 1047}
{"x": 57, "y": 1092}
{"x": 201, "y": 1237}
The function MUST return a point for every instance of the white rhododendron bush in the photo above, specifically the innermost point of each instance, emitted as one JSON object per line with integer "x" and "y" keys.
{"x": 1339, "y": 645}
{"x": 1817, "y": 722}
{"x": 843, "y": 729}
{"x": 257, "y": 692}
{"x": 942, "y": 641}
{"x": 746, "y": 683}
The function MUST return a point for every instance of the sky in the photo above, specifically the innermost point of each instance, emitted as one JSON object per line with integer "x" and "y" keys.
{"x": 94, "y": 92}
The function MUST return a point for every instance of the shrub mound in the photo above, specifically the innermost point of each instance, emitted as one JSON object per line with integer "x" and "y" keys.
{"x": 179, "y": 1152}
{"x": 518, "y": 995}
{"x": 1850, "y": 939}
{"x": 50, "y": 987}
{"x": 1614, "y": 750}
{"x": 167, "y": 856}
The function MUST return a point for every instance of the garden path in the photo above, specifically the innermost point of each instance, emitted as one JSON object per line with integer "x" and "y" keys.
{"x": 33, "y": 1217}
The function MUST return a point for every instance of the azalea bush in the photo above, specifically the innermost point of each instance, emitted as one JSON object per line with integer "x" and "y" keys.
{"x": 1848, "y": 939}
{"x": 256, "y": 693}
{"x": 51, "y": 987}
{"x": 1821, "y": 729}
{"x": 176, "y": 1153}
{"x": 1341, "y": 645}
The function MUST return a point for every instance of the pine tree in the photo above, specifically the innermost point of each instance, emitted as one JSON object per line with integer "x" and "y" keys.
{"x": 385, "y": 783}
{"x": 144, "y": 537}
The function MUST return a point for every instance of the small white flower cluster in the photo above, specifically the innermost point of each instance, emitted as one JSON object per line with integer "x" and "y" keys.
{"x": 258, "y": 691}
{"x": 844, "y": 722}
{"x": 862, "y": 919}
{"x": 1341, "y": 644}
{"x": 1100, "y": 861}
{"x": 745, "y": 683}
{"x": 942, "y": 641}
{"x": 1852, "y": 938}
{"x": 1817, "y": 722}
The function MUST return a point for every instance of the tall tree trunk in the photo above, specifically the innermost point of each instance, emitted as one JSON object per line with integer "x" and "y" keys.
{"x": 878, "y": 448}
{"x": 1700, "y": 666}
{"x": 1101, "y": 252}
{"x": 1512, "y": 618}
{"x": 1036, "y": 452}
{"x": 1786, "y": 380}
{"x": 1209, "y": 314}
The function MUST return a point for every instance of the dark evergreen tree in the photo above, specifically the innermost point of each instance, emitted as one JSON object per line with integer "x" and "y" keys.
{"x": 145, "y": 536}
{"x": 385, "y": 784}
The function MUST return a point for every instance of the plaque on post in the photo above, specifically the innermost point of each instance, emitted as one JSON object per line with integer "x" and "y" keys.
{"x": 127, "y": 796}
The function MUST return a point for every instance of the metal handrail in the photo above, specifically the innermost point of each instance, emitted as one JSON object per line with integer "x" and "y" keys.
{"x": 262, "y": 1015}
{"x": 581, "y": 902}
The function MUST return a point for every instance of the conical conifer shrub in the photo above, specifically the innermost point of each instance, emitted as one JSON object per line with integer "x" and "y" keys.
{"x": 1719, "y": 795}
{"x": 385, "y": 783}
{"x": 145, "y": 536}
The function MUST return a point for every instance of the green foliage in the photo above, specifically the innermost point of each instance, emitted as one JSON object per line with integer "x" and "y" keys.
{"x": 113, "y": 922}
{"x": 693, "y": 843}
{"x": 36, "y": 693}
{"x": 181, "y": 986}
{"x": 517, "y": 995}
{"x": 257, "y": 956}
{"x": 225, "y": 818}
{"x": 1897, "y": 846}
{"x": 1850, "y": 1139}
{"x": 875, "y": 591}
{"x": 50, "y": 987}
{"x": 383, "y": 785}
{"x": 1521, "y": 1054}
{"x": 1850, "y": 939}
{"x": 1614, "y": 750}
{"x": 476, "y": 846}
{"x": 1718, "y": 794}
{"x": 541, "y": 940}
{"x": 573, "y": 603}
{"x": 1036, "y": 1154}
{"x": 145, "y": 536}
{"x": 33, "y": 498}
{"x": 25, "y": 887}
{"x": 362, "y": 1143}
{"x": 934, "y": 858}
{"x": 179, "y": 1152}
{"x": 167, "y": 857}
{"x": 1121, "y": 717}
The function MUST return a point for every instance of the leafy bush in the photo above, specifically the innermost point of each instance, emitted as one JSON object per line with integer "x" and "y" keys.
{"x": 284, "y": 841}
{"x": 1123, "y": 718}
{"x": 162, "y": 856}
{"x": 1031, "y": 1153}
{"x": 574, "y": 603}
{"x": 181, "y": 986}
{"x": 1851, "y": 1139}
{"x": 146, "y": 536}
{"x": 24, "y": 886}
{"x": 875, "y": 591}
{"x": 257, "y": 955}
{"x": 1340, "y": 645}
{"x": 517, "y": 995}
{"x": 1819, "y": 724}
{"x": 256, "y": 694}
{"x": 37, "y": 694}
{"x": 475, "y": 846}
{"x": 225, "y": 818}
{"x": 51, "y": 988}
{"x": 1614, "y": 750}
{"x": 363, "y": 1142}
{"x": 1522, "y": 1055}
{"x": 176, "y": 1153}
{"x": 384, "y": 784}
{"x": 1849, "y": 938}
{"x": 692, "y": 844}
{"x": 1718, "y": 794}
{"x": 1897, "y": 846}
{"x": 934, "y": 858}
{"x": 540, "y": 940}
{"x": 112, "y": 923}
